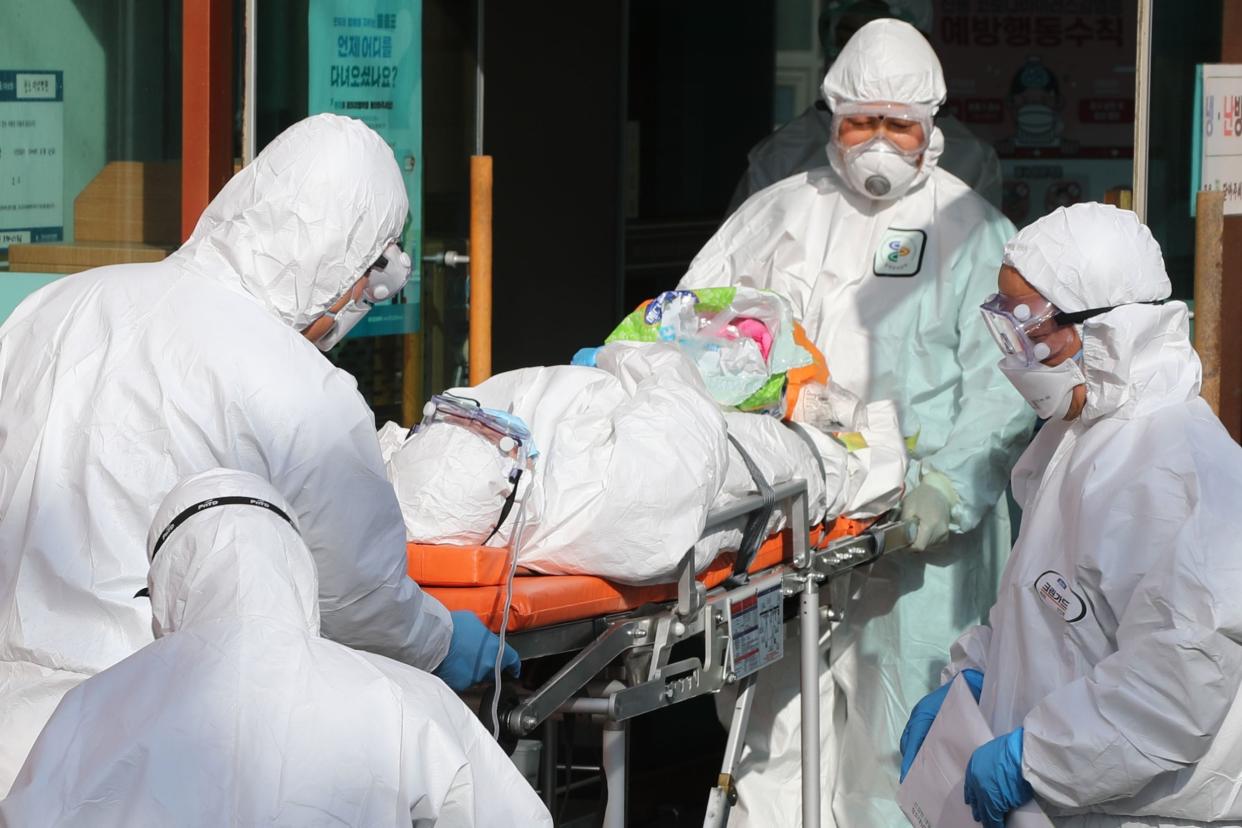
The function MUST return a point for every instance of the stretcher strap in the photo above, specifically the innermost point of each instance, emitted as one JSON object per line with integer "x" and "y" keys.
{"x": 756, "y": 530}
{"x": 810, "y": 443}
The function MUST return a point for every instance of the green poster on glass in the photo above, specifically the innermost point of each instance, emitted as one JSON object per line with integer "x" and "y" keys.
{"x": 365, "y": 61}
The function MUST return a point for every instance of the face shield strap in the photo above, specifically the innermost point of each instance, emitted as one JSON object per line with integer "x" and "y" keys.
{"x": 1078, "y": 317}
{"x": 202, "y": 506}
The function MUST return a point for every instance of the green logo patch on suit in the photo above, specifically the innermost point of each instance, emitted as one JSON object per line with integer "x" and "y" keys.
{"x": 900, "y": 252}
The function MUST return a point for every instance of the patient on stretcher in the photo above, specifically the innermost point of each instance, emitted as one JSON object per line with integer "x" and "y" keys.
{"x": 693, "y": 398}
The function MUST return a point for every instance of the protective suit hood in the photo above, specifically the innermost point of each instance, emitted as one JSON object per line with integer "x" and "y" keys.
{"x": 230, "y": 561}
{"x": 464, "y": 513}
{"x": 1090, "y": 256}
{"x": 1137, "y": 357}
{"x": 888, "y": 61}
{"x": 296, "y": 227}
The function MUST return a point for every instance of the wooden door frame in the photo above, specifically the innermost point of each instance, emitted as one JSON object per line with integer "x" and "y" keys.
{"x": 207, "y": 105}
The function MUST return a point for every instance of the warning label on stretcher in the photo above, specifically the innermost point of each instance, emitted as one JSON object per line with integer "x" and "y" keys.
{"x": 756, "y": 630}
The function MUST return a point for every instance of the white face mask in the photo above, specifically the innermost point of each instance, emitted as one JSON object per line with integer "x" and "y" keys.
{"x": 878, "y": 170}
{"x": 1048, "y": 388}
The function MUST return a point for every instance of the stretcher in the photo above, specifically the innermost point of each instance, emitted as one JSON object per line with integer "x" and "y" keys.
{"x": 621, "y": 638}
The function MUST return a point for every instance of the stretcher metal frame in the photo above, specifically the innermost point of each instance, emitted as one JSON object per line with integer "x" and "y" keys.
{"x": 643, "y": 641}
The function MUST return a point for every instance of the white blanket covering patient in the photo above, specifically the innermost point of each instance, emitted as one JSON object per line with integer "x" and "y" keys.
{"x": 632, "y": 456}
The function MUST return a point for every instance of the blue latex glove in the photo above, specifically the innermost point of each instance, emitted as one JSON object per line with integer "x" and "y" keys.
{"x": 585, "y": 356}
{"x": 471, "y": 656}
{"x": 994, "y": 783}
{"x": 924, "y": 714}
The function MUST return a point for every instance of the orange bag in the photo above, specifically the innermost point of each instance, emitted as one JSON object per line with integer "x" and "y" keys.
{"x": 798, "y": 378}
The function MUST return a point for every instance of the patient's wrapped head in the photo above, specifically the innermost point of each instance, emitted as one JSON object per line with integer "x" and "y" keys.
{"x": 452, "y": 484}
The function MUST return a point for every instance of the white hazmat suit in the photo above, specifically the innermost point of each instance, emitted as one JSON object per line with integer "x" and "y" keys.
{"x": 240, "y": 714}
{"x": 118, "y": 382}
{"x": 1116, "y": 640}
{"x": 906, "y": 330}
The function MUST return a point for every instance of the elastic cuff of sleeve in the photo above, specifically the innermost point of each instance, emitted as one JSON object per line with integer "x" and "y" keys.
{"x": 940, "y": 483}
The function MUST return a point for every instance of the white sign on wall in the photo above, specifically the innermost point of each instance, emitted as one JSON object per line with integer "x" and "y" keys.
{"x": 1217, "y": 161}
{"x": 32, "y": 160}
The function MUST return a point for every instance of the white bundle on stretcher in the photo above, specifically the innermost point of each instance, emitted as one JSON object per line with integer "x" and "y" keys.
{"x": 633, "y": 455}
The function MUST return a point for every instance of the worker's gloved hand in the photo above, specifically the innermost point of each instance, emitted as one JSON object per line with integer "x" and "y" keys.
{"x": 931, "y": 504}
{"x": 471, "y": 656}
{"x": 586, "y": 356}
{"x": 924, "y": 714}
{"x": 994, "y": 783}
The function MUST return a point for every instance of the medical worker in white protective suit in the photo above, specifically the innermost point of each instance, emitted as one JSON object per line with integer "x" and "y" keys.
{"x": 802, "y": 143}
{"x": 118, "y": 382}
{"x": 886, "y": 259}
{"x": 240, "y": 714}
{"x": 1112, "y": 660}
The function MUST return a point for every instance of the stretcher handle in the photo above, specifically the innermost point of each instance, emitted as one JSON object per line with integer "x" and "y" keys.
{"x": 722, "y": 517}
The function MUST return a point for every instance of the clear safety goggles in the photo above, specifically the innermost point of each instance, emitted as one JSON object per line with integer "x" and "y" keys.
{"x": 888, "y": 121}
{"x": 510, "y": 436}
{"x": 1033, "y": 329}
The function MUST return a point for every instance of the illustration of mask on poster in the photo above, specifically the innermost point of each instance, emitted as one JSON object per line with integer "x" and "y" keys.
{"x": 1050, "y": 85}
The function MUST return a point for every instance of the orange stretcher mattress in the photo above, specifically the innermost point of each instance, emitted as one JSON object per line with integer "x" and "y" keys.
{"x": 473, "y": 577}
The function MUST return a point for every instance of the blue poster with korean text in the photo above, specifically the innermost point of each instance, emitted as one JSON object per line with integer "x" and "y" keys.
{"x": 365, "y": 61}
